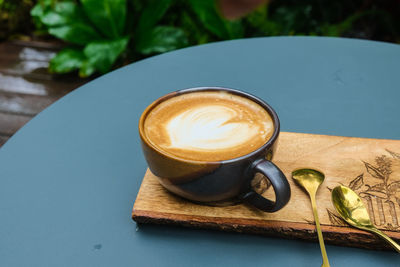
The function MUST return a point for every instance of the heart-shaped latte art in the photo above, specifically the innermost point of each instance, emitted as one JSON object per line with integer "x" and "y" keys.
{"x": 210, "y": 128}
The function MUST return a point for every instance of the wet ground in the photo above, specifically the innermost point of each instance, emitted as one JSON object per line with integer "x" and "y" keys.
{"x": 26, "y": 87}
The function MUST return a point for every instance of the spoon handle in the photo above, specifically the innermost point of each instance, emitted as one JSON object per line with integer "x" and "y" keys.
{"x": 388, "y": 239}
{"x": 325, "y": 262}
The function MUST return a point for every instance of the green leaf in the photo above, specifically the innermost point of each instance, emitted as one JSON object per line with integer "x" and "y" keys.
{"x": 66, "y": 60}
{"x": 151, "y": 14}
{"x": 196, "y": 33}
{"x": 163, "y": 39}
{"x": 38, "y": 11}
{"x": 40, "y": 8}
{"x": 59, "y": 13}
{"x": 63, "y": 13}
{"x": 109, "y": 16}
{"x": 86, "y": 69}
{"x": 340, "y": 28}
{"x": 102, "y": 55}
{"x": 76, "y": 33}
{"x": 258, "y": 17}
{"x": 207, "y": 12}
{"x": 67, "y": 21}
{"x": 261, "y": 24}
{"x": 235, "y": 29}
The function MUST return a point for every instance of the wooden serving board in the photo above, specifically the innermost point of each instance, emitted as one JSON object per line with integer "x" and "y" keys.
{"x": 371, "y": 167}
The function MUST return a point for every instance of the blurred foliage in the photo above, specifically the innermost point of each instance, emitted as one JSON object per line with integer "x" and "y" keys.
{"x": 14, "y": 17}
{"x": 366, "y": 19}
{"x": 102, "y": 34}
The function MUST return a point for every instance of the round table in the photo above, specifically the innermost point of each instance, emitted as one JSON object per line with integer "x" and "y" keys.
{"x": 69, "y": 178}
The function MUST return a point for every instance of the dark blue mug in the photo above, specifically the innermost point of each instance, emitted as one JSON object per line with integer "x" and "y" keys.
{"x": 219, "y": 181}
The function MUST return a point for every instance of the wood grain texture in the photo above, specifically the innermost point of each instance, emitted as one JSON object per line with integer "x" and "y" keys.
{"x": 15, "y": 83}
{"x": 26, "y": 86}
{"x": 24, "y": 104}
{"x": 3, "y": 139}
{"x": 370, "y": 166}
{"x": 10, "y": 123}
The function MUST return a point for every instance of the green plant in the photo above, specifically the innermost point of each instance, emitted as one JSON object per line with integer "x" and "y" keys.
{"x": 94, "y": 28}
{"x": 102, "y": 31}
{"x": 103, "y": 34}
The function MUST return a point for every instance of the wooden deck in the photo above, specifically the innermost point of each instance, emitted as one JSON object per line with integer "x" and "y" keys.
{"x": 26, "y": 87}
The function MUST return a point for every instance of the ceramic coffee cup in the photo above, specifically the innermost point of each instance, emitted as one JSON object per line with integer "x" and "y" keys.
{"x": 208, "y": 181}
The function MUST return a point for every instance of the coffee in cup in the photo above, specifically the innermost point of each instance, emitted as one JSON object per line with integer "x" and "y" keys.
{"x": 206, "y": 144}
{"x": 208, "y": 126}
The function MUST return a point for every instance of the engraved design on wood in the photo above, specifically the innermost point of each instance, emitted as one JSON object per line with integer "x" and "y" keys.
{"x": 380, "y": 192}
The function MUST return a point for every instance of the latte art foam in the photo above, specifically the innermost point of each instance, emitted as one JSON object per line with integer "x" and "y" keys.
{"x": 208, "y": 126}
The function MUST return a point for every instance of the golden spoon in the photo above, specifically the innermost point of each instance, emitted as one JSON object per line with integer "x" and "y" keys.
{"x": 349, "y": 205}
{"x": 310, "y": 180}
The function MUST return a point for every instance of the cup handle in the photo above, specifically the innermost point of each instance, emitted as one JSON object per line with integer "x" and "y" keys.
{"x": 279, "y": 183}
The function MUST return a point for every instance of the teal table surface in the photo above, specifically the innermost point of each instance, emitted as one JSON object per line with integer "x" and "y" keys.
{"x": 69, "y": 178}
